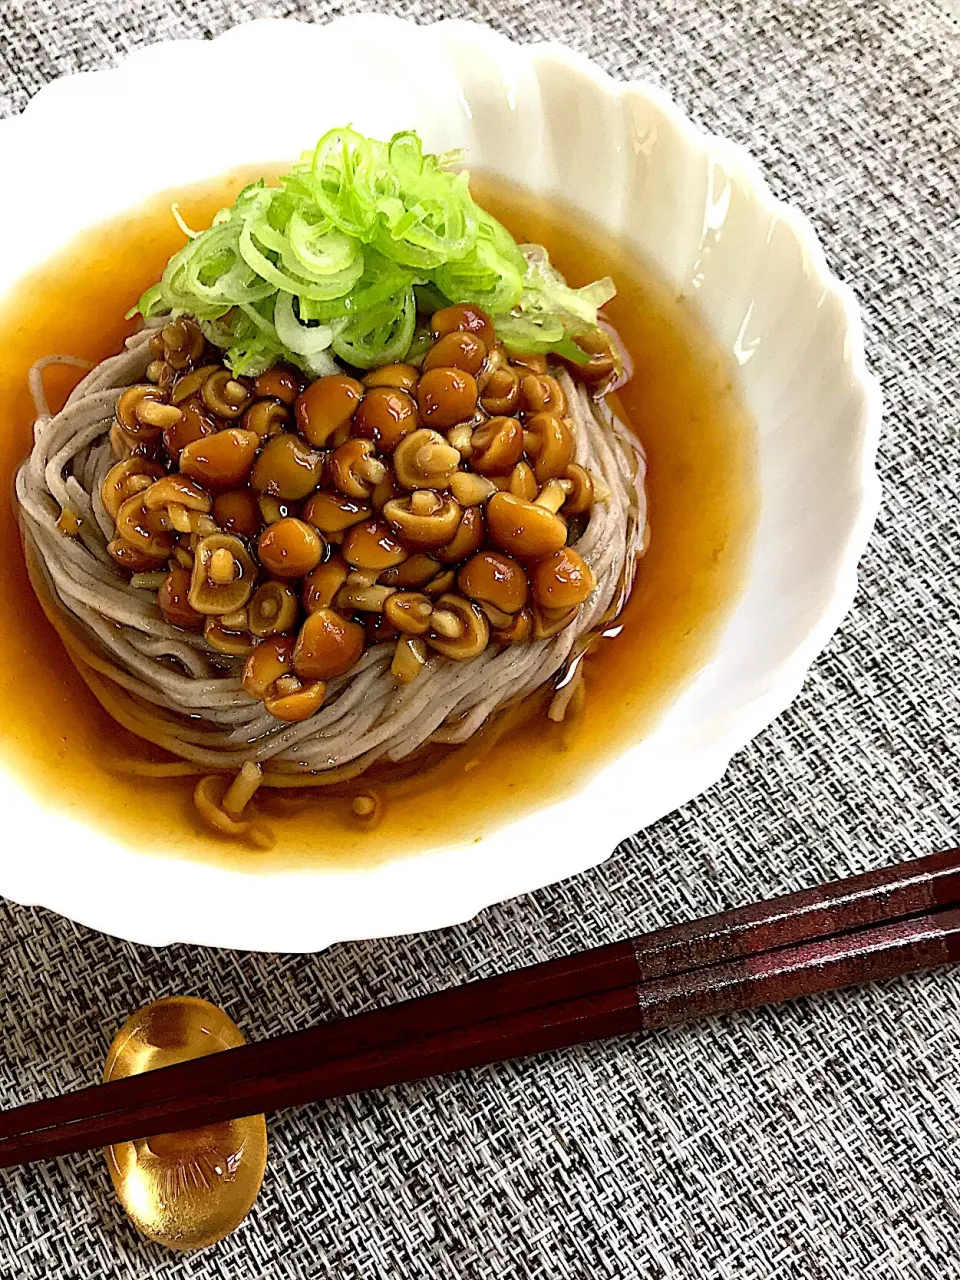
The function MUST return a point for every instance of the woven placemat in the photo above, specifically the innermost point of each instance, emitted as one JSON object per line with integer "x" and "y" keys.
{"x": 819, "y": 1141}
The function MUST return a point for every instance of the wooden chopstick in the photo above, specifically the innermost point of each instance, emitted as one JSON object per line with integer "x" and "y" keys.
{"x": 881, "y": 924}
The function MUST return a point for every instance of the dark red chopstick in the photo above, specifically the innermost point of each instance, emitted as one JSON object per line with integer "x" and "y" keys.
{"x": 793, "y": 945}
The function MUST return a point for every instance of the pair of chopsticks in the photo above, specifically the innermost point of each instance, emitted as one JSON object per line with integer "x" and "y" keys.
{"x": 879, "y": 925}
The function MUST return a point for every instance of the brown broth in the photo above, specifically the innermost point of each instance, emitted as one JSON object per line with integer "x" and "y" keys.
{"x": 684, "y": 404}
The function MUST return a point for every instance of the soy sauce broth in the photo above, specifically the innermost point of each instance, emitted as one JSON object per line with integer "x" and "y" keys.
{"x": 683, "y": 403}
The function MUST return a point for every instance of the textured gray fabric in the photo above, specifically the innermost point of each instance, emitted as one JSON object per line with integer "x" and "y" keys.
{"x": 819, "y": 1141}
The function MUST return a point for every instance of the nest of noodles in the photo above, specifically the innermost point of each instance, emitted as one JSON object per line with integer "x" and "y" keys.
{"x": 171, "y": 689}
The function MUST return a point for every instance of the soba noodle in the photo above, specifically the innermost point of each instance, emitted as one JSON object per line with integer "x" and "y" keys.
{"x": 169, "y": 687}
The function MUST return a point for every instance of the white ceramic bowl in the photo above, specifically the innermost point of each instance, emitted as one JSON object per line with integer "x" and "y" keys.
{"x": 698, "y": 208}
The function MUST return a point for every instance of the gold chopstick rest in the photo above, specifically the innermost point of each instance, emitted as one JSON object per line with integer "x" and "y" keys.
{"x": 185, "y": 1190}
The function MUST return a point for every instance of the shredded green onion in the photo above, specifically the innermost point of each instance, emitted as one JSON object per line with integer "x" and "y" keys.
{"x": 339, "y": 259}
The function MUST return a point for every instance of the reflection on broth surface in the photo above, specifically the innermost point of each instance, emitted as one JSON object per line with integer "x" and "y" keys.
{"x": 683, "y": 404}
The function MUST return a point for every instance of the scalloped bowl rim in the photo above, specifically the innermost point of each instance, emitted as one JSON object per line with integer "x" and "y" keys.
{"x": 390, "y": 887}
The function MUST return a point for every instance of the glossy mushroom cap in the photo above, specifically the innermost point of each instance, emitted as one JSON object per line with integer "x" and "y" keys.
{"x": 373, "y": 545}
{"x": 490, "y": 577}
{"x": 174, "y": 602}
{"x": 238, "y": 511}
{"x": 457, "y": 350}
{"x": 468, "y": 538}
{"x": 464, "y": 318}
{"x": 522, "y": 528}
{"x": 221, "y": 461}
{"x": 287, "y": 467}
{"x": 388, "y": 413}
{"x": 496, "y": 446}
{"x": 334, "y": 512}
{"x": 446, "y": 396}
{"x": 562, "y": 580}
{"x": 126, "y": 479}
{"x": 402, "y": 376}
{"x": 273, "y": 609}
{"x": 549, "y": 444}
{"x": 223, "y": 395}
{"x": 328, "y": 646}
{"x": 424, "y": 460}
{"x": 410, "y": 612}
{"x": 290, "y": 548}
{"x": 224, "y": 575}
{"x": 458, "y": 629}
{"x": 355, "y": 470}
{"x": 325, "y": 406}
{"x": 424, "y": 520}
{"x": 143, "y": 529}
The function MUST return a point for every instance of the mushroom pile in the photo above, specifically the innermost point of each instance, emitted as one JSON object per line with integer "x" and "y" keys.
{"x": 296, "y": 524}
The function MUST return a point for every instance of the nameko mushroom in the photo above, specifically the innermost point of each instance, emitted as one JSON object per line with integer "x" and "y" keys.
{"x": 304, "y": 521}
